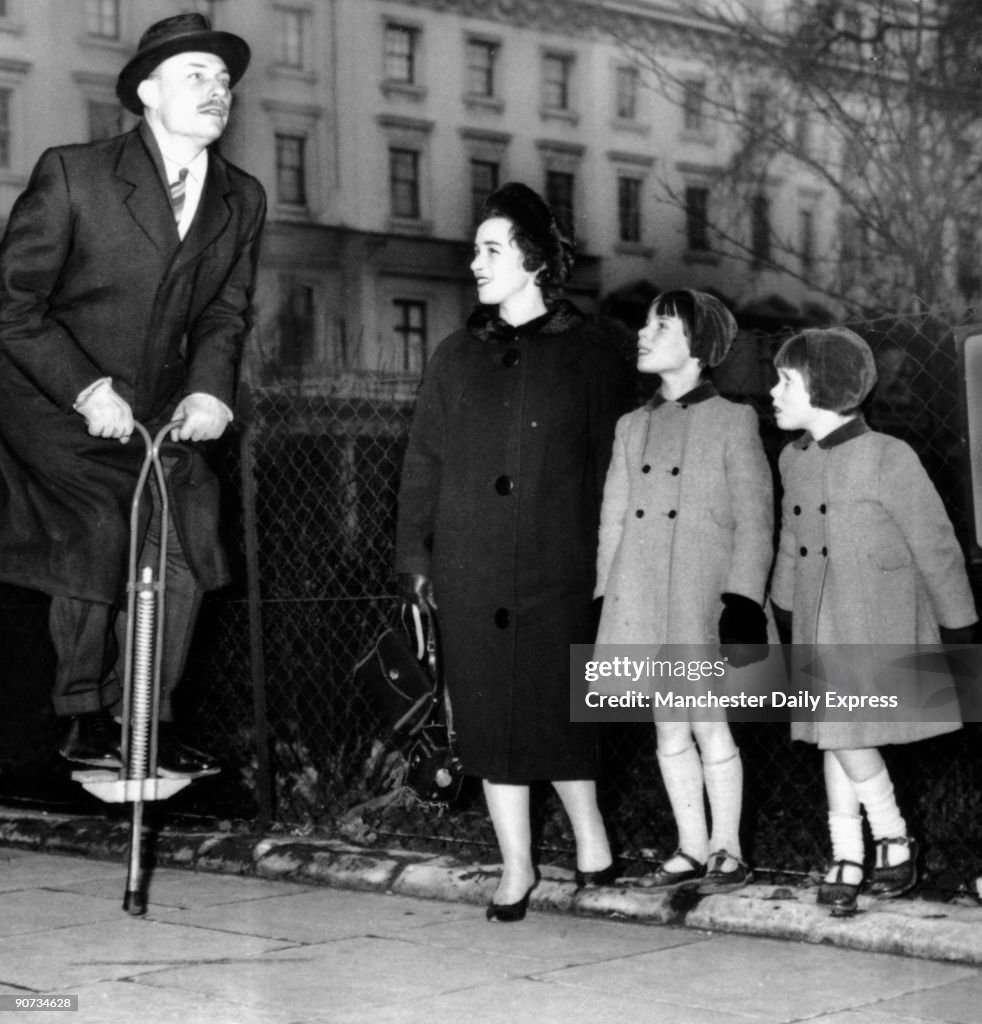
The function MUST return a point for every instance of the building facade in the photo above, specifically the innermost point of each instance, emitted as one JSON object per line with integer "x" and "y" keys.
{"x": 378, "y": 127}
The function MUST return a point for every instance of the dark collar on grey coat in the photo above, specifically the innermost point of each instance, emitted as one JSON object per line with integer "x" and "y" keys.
{"x": 855, "y": 427}
{"x": 703, "y": 390}
{"x": 485, "y": 324}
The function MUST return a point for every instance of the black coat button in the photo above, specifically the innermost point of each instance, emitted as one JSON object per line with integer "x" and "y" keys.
{"x": 675, "y": 470}
{"x": 797, "y": 510}
{"x": 821, "y": 508}
{"x": 825, "y": 551}
{"x": 640, "y": 513}
{"x": 646, "y": 468}
{"x": 804, "y": 551}
{"x": 511, "y": 358}
{"x": 502, "y": 618}
{"x": 504, "y": 485}
{"x": 672, "y": 514}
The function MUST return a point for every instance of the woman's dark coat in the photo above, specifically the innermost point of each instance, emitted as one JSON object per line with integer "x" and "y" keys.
{"x": 95, "y": 282}
{"x": 499, "y": 505}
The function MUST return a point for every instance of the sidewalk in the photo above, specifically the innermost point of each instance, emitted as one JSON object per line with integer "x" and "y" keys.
{"x": 288, "y": 931}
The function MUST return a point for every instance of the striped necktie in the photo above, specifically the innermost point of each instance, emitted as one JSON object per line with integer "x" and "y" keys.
{"x": 178, "y": 190}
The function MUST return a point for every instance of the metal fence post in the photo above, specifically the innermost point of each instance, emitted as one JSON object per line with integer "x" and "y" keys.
{"x": 257, "y": 664}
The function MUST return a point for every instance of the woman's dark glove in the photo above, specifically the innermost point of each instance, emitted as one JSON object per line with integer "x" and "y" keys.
{"x": 782, "y": 619}
{"x": 957, "y": 637}
{"x": 414, "y": 588}
{"x": 742, "y": 631}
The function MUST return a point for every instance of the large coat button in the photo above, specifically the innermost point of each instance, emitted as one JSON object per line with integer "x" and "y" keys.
{"x": 502, "y": 618}
{"x": 504, "y": 485}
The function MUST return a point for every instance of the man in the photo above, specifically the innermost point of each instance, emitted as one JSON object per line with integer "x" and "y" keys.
{"x": 126, "y": 278}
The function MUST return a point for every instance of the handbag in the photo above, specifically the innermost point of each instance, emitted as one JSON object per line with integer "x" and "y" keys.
{"x": 398, "y": 675}
{"x": 434, "y": 772}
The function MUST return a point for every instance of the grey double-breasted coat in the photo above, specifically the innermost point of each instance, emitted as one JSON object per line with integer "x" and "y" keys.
{"x": 687, "y": 516}
{"x": 867, "y": 557}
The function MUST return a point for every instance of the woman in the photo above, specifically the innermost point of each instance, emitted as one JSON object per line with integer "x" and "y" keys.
{"x": 498, "y": 516}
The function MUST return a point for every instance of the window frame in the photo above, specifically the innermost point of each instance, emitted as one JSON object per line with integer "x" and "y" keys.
{"x": 403, "y": 332}
{"x": 96, "y": 12}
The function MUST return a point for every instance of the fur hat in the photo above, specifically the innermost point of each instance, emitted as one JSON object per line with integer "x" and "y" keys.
{"x": 541, "y": 241}
{"x": 838, "y": 366}
{"x": 183, "y": 33}
{"x": 712, "y": 327}
{"x": 524, "y": 207}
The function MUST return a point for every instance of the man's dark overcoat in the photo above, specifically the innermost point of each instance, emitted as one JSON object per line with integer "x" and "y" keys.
{"x": 499, "y": 504}
{"x": 95, "y": 282}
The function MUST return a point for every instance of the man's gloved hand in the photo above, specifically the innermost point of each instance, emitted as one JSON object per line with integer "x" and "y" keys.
{"x": 203, "y": 418}
{"x": 414, "y": 588}
{"x": 742, "y": 630}
{"x": 106, "y": 414}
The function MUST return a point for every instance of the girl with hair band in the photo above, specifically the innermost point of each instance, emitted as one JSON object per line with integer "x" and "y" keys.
{"x": 867, "y": 556}
{"x": 498, "y": 511}
{"x": 686, "y": 543}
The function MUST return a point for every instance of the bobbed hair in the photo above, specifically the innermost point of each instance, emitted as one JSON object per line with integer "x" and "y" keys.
{"x": 709, "y": 325}
{"x": 536, "y": 233}
{"x": 836, "y": 365}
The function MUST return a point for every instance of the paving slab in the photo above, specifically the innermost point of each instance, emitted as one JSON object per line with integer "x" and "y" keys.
{"x": 224, "y": 949}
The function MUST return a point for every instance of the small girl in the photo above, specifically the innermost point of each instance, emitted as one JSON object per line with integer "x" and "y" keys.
{"x": 868, "y": 556}
{"x": 686, "y": 543}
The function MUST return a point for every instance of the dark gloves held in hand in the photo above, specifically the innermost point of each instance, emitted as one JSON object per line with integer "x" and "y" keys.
{"x": 782, "y": 619}
{"x": 742, "y": 631}
{"x": 955, "y": 637}
{"x": 414, "y": 588}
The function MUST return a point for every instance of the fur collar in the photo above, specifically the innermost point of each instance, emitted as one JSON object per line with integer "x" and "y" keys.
{"x": 485, "y": 324}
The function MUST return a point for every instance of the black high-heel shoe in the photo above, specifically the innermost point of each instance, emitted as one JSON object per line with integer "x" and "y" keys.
{"x": 509, "y": 912}
{"x": 607, "y": 876}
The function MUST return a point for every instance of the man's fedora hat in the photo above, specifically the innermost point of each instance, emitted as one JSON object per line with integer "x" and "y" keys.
{"x": 184, "y": 33}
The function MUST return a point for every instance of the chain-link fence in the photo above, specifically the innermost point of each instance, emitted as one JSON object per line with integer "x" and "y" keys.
{"x": 311, "y": 481}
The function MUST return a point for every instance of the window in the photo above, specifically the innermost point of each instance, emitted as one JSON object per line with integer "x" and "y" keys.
{"x": 291, "y": 177}
{"x": 803, "y": 133}
{"x": 404, "y": 183}
{"x": 482, "y": 57}
{"x": 559, "y": 196}
{"x": 296, "y": 326}
{"x": 694, "y": 105}
{"x": 557, "y": 70}
{"x": 629, "y": 208}
{"x": 102, "y": 18}
{"x": 290, "y": 26}
{"x": 401, "y": 45}
{"x": 759, "y": 111}
{"x": 105, "y": 119}
{"x": 806, "y": 238}
{"x": 627, "y": 82}
{"x": 697, "y": 218}
{"x": 6, "y": 102}
{"x": 409, "y": 333}
{"x": 966, "y": 258}
{"x": 760, "y": 228}
{"x": 484, "y": 180}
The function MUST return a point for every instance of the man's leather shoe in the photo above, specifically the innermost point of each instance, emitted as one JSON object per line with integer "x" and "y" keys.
{"x": 176, "y": 760}
{"x": 93, "y": 739}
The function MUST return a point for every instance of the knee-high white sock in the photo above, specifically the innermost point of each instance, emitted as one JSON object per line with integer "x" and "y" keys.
{"x": 846, "y": 832}
{"x": 878, "y": 799}
{"x": 682, "y": 775}
{"x": 724, "y": 787}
